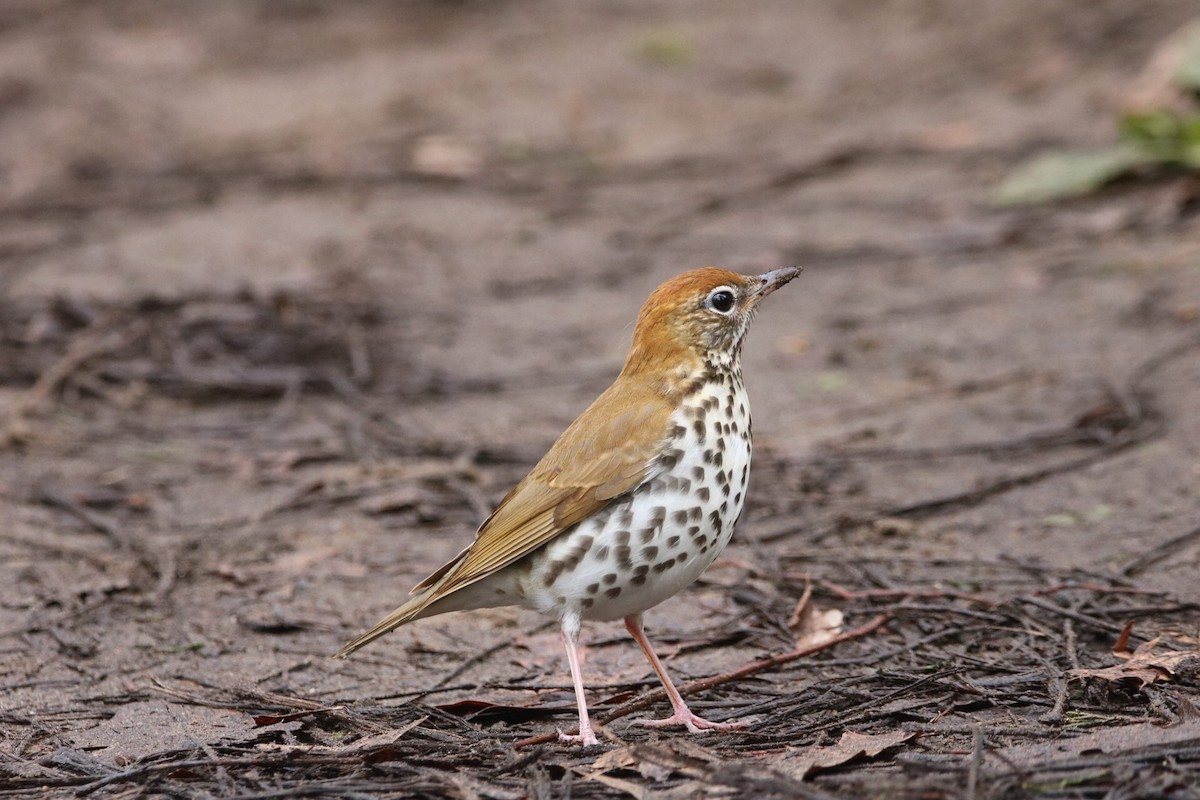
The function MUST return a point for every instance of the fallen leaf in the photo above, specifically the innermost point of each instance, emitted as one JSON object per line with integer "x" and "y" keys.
{"x": 851, "y": 746}
{"x": 811, "y": 626}
{"x": 261, "y": 720}
{"x": 1056, "y": 176}
{"x": 1143, "y": 665}
{"x": 621, "y": 758}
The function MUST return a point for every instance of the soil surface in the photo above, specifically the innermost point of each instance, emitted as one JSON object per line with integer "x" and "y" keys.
{"x": 292, "y": 292}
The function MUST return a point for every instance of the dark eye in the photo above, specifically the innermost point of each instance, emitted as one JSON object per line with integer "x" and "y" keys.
{"x": 721, "y": 300}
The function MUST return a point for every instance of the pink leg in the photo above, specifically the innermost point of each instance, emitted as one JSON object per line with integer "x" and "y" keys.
{"x": 586, "y": 736}
{"x": 683, "y": 715}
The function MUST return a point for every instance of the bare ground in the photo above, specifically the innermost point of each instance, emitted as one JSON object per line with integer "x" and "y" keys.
{"x": 292, "y": 292}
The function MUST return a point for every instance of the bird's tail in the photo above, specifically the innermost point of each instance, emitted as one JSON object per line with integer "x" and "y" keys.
{"x": 425, "y": 594}
{"x": 405, "y": 613}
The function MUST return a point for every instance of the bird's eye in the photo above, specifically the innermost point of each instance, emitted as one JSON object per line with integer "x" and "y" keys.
{"x": 721, "y": 300}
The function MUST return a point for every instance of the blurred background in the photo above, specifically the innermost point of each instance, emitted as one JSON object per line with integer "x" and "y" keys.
{"x": 291, "y": 291}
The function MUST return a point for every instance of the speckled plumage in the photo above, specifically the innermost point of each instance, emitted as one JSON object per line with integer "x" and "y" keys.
{"x": 638, "y": 495}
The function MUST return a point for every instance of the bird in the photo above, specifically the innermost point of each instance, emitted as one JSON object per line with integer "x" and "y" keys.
{"x": 635, "y": 499}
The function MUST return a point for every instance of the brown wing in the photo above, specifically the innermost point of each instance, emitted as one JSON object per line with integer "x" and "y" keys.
{"x": 611, "y": 449}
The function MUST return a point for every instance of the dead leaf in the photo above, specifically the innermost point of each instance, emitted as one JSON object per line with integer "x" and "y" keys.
{"x": 660, "y": 761}
{"x": 628, "y": 787}
{"x": 261, "y": 720}
{"x": 851, "y": 746}
{"x": 620, "y": 758}
{"x": 1142, "y": 665}
{"x": 810, "y": 626}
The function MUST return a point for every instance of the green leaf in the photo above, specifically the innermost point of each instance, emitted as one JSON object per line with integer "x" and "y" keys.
{"x": 1056, "y": 176}
{"x": 1164, "y": 136}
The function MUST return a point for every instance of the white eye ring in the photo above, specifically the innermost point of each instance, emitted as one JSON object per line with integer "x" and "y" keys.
{"x": 722, "y": 300}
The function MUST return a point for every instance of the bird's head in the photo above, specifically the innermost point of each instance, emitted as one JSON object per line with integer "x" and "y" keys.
{"x": 699, "y": 316}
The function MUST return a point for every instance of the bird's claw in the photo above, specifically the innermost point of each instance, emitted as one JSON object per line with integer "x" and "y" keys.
{"x": 585, "y": 738}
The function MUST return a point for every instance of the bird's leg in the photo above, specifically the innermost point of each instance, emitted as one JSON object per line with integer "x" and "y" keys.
{"x": 570, "y": 636}
{"x": 683, "y": 715}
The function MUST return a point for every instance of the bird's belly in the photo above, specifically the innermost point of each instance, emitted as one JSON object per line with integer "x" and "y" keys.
{"x": 649, "y": 545}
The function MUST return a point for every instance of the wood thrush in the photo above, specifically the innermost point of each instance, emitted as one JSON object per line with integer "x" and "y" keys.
{"x": 638, "y": 495}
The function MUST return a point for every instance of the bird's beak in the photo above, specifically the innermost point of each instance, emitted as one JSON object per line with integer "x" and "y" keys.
{"x": 773, "y": 280}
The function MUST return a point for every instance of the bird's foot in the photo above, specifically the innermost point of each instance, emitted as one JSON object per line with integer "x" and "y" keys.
{"x": 585, "y": 738}
{"x": 687, "y": 719}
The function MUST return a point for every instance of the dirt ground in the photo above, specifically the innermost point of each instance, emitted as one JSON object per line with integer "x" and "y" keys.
{"x": 292, "y": 291}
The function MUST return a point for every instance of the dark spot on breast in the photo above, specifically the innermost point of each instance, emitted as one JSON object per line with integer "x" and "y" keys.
{"x": 658, "y": 516}
{"x": 745, "y": 472}
{"x": 737, "y": 498}
{"x": 719, "y": 457}
{"x": 682, "y": 557}
{"x": 698, "y": 427}
{"x": 602, "y": 552}
{"x": 610, "y": 579}
{"x": 587, "y": 602}
{"x": 649, "y": 553}
{"x": 638, "y": 580}
{"x": 694, "y": 531}
{"x": 698, "y": 473}
{"x": 702, "y": 494}
{"x": 683, "y": 485}
{"x": 715, "y": 519}
{"x": 592, "y": 588}
{"x": 670, "y": 458}
{"x": 613, "y": 592}
{"x": 626, "y": 518}
{"x": 694, "y": 512}
{"x": 724, "y": 507}
{"x": 672, "y": 541}
{"x": 725, "y": 488}
{"x": 621, "y": 537}
{"x": 679, "y": 517}
{"x": 664, "y": 565}
{"x": 623, "y": 553}
{"x": 708, "y": 456}
{"x": 729, "y": 408}
{"x": 678, "y": 432}
{"x": 553, "y": 570}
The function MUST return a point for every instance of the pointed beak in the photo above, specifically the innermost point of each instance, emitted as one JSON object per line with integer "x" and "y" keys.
{"x": 773, "y": 280}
